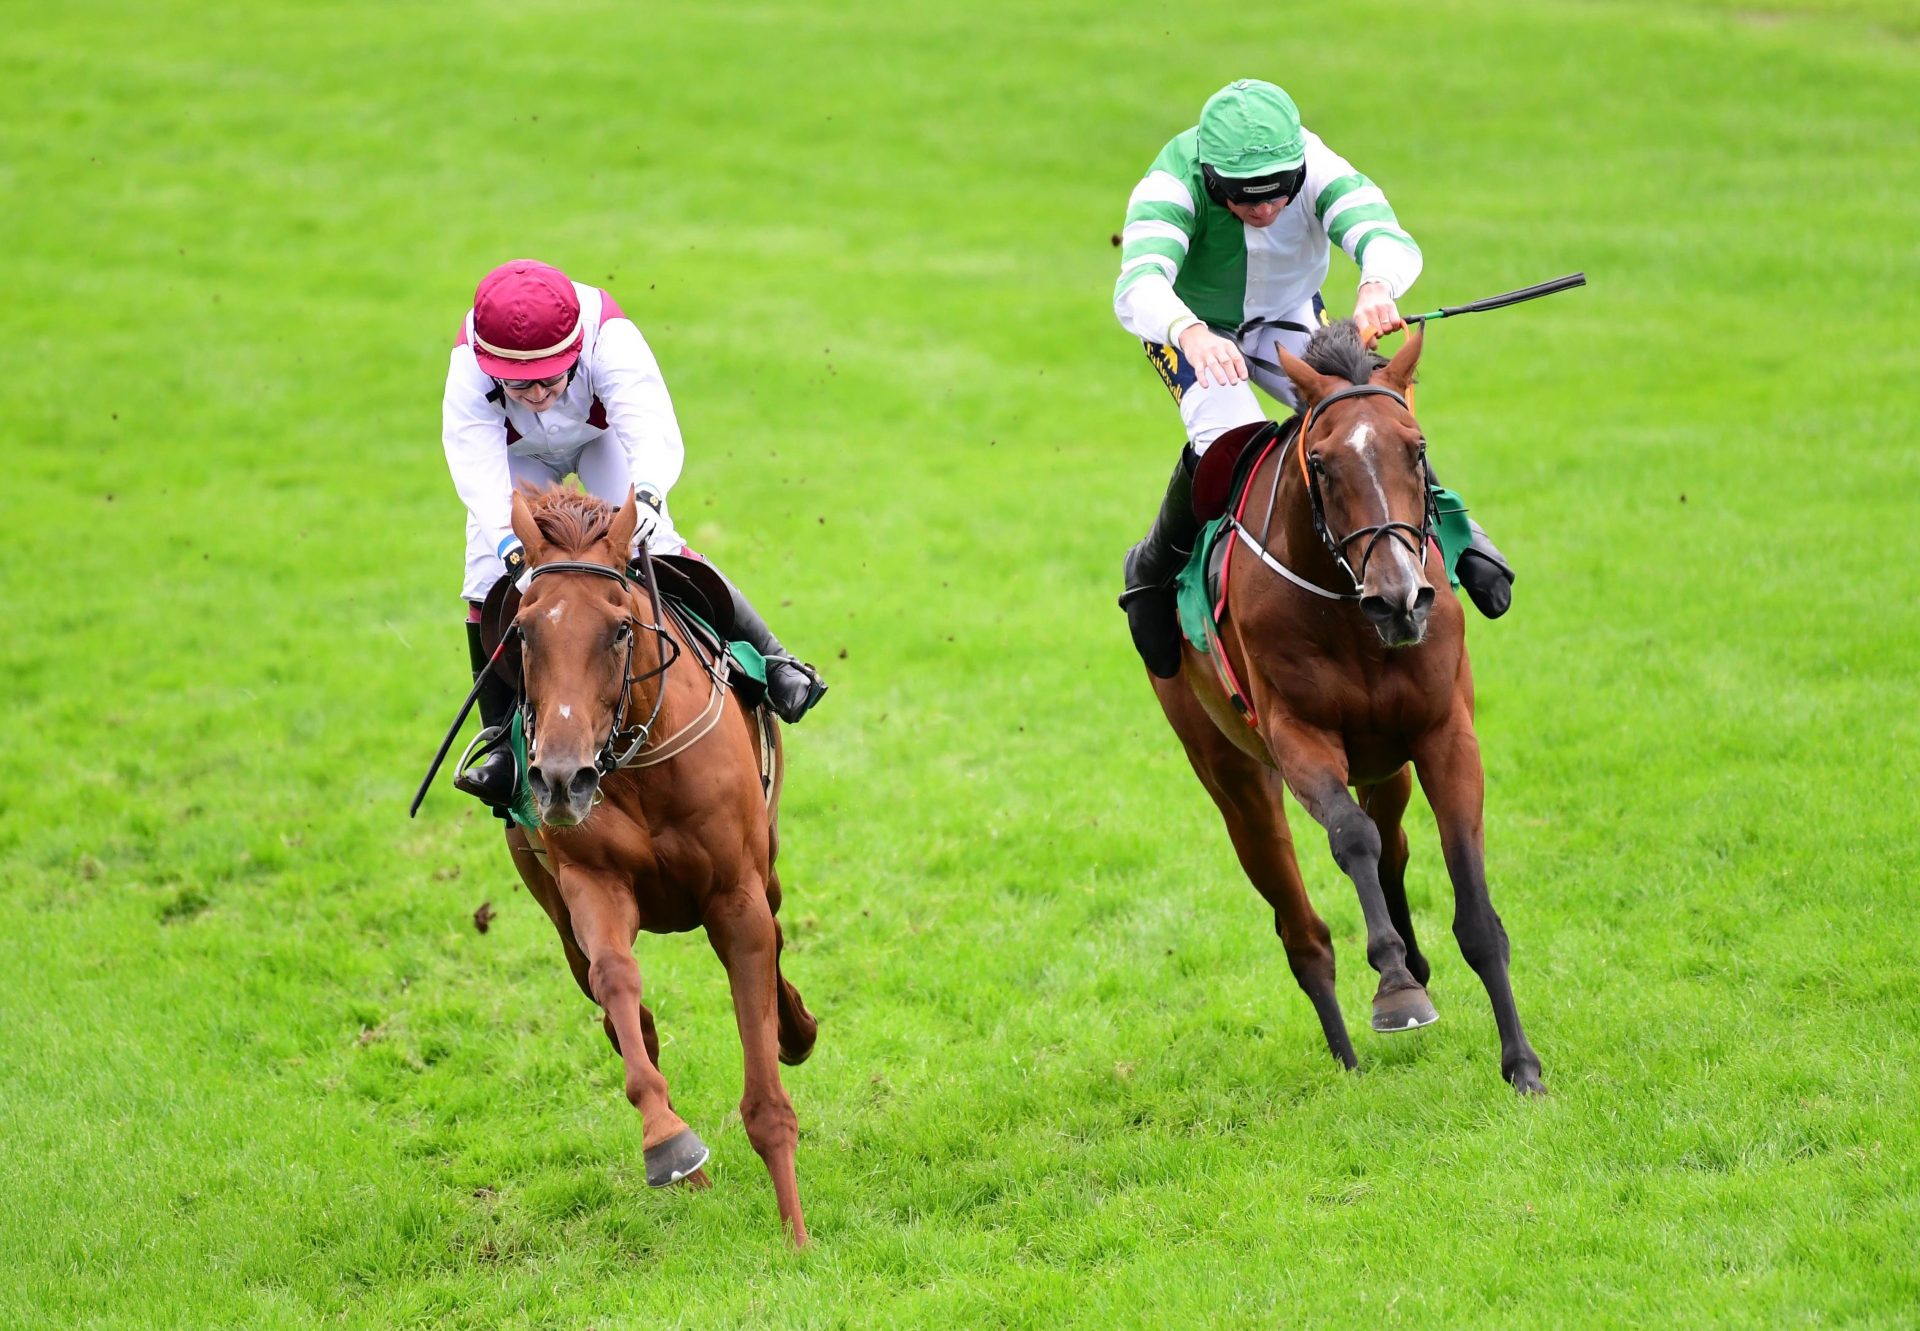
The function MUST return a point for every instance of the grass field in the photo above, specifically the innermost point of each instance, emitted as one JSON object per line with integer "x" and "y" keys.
{"x": 258, "y": 1066}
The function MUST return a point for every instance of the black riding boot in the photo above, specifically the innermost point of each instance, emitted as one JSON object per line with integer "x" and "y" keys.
{"x": 492, "y": 779}
{"x": 793, "y": 686}
{"x": 1483, "y": 571}
{"x": 1486, "y": 575}
{"x": 1150, "y": 568}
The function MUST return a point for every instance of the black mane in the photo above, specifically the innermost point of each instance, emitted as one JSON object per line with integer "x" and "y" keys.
{"x": 1336, "y": 348}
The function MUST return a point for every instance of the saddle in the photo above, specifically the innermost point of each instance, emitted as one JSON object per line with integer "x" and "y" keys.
{"x": 696, "y": 599}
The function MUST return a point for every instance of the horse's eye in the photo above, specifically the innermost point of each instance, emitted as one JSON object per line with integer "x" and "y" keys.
{"x": 621, "y": 633}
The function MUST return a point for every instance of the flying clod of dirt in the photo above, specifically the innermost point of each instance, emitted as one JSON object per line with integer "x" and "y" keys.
{"x": 483, "y": 916}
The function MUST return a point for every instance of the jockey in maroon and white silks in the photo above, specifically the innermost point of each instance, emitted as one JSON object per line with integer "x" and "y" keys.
{"x": 548, "y": 378}
{"x": 611, "y": 422}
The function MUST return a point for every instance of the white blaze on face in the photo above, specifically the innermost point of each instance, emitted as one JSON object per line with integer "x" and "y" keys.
{"x": 566, "y": 711}
{"x": 553, "y": 615}
{"x": 1361, "y": 441}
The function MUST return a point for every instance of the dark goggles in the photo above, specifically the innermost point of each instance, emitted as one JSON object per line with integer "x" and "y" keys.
{"x": 1276, "y": 188}
{"x": 521, "y": 385}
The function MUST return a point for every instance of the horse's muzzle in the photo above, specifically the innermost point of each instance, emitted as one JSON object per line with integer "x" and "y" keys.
{"x": 563, "y": 792}
{"x": 1402, "y": 625}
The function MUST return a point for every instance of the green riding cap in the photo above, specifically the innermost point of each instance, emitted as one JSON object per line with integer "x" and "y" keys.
{"x": 1251, "y": 128}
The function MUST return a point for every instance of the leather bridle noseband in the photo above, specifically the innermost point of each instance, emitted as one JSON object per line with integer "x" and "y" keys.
{"x": 1311, "y": 470}
{"x": 619, "y": 749}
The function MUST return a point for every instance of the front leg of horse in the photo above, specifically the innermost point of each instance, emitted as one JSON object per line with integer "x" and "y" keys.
{"x": 1386, "y": 803}
{"x": 1450, "y": 773}
{"x": 740, "y": 926}
{"x": 605, "y": 922}
{"x": 1316, "y": 771}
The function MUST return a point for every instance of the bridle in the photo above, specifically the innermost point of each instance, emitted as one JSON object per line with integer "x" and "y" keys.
{"x": 1311, "y": 471}
{"x": 623, "y": 742}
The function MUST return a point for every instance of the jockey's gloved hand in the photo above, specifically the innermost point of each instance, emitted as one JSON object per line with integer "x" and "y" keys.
{"x": 1374, "y": 312}
{"x": 514, "y": 556}
{"x": 648, "y": 504}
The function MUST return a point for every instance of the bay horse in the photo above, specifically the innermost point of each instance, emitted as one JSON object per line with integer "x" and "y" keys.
{"x": 1353, "y": 654}
{"x": 664, "y": 826}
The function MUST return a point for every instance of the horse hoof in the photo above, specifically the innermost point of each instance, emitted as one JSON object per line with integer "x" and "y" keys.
{"x": 674, "y": 1159}
{"x": 1529, "y": 1084}
{"x": 1403, "y": 1010}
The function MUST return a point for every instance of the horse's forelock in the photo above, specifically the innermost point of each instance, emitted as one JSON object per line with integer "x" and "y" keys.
{"x": 1337, "y": 349}
{"x": 572, "y": 522}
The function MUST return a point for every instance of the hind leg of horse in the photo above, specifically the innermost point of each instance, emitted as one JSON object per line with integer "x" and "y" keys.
{"x": 604, "y": 923}
{"x": 798, "y": 1029}
{"x": 1315, "y": 766}
{"x": 741, "y": 929}
{"x": 1450, "y": 773}
{"x": 1249, "y": 796}
{"x": 1386, "y": 803}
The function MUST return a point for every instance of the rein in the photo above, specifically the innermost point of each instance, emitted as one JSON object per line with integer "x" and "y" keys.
{"x": 612, "y": 755}
{"x": 1310, "y": 472}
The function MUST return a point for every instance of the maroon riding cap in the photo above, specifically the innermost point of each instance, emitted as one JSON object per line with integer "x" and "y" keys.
{"x": 526, "y": 321}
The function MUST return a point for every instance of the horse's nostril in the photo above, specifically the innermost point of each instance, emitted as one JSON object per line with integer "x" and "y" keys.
{"x": 1422, "y": 601}
{"x": 1376, "y": 608}
{"x": 582, "y": 785}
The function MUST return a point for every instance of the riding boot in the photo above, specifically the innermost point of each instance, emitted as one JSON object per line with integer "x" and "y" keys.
{"x": 1486, "y": 575}
{"x": 494, "y": 779}
{"x": 793, "y": 686}
{"x": 1483, "y": 571}
{"x": 1150, "y": 568}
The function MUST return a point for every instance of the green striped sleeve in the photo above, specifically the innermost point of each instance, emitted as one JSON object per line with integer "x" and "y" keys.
{"x": 1349, "y": 218}
{"x": 1160, "y": 210}
{"x": 1130, "y": 275}
{"x": 1336, "y": 191}
{"x": 1140, "y": 246}
{"x": 1391, "y": 232}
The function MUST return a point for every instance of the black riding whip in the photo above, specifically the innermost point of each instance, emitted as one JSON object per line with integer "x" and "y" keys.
{"x": 440, "y": 755}
{"x": 1534, "y": 292}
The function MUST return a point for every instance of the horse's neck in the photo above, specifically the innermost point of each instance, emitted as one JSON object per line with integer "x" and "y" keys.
{"x": 685, "y": 676}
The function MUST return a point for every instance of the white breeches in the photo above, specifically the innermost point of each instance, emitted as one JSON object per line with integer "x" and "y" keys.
{"x": 1212, "y": 410}
{"x": 605, "y": 473}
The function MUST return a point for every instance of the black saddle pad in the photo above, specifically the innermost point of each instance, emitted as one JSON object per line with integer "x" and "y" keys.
{"x": 692, "y": 583}
{"x": 684, "y": 580}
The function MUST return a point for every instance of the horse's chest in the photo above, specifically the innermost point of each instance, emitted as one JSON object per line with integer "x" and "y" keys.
{"x": 1374, "y": 757}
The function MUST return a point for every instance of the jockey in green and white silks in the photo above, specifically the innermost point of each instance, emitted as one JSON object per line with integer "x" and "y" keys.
{"x": 1244, "y": 255}
{"x": 1226, "y": 246}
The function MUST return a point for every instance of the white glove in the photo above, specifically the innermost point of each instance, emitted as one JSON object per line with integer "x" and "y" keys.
{"x": 648, "y": 503}
{"x": 514, "y": 556}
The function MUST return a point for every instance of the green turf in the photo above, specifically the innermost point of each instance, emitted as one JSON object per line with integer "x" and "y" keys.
{"x": 259, "y": 1068}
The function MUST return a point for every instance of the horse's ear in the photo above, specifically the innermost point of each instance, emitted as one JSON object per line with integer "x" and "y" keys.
{"x": 1311, "y": 384}
{"x": 526, "y": 528}
{"x": 620, "y": 535}
{"x": 1397, "y": 373}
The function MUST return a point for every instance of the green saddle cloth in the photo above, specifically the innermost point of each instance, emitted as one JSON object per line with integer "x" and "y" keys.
{"x": 1195, "y": 589}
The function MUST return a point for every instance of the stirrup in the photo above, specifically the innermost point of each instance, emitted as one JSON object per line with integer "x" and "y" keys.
{"x": 483, "y": 747}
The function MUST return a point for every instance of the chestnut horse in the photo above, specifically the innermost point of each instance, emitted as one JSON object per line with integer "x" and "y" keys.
{"x": 1351, "y": 652}
{"x": 647, "y": 778}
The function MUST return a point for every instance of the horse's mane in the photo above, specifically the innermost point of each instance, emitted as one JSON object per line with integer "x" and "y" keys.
{"x": 569, "y": 520}
{"x": 1336, "y": 348}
